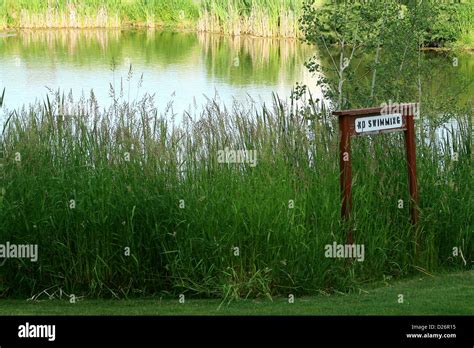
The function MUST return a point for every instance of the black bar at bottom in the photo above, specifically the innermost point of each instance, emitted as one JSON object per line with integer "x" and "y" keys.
{"x": 412, "y": 330}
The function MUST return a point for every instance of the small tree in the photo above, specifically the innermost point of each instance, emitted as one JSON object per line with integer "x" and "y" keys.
{"x": 371, "y": 38}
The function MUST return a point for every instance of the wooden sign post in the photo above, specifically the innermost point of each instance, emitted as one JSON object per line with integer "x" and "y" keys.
{"x": 376, "y": 120}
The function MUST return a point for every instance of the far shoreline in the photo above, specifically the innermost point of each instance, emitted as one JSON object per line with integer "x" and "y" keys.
{"x": 10, "y": 32}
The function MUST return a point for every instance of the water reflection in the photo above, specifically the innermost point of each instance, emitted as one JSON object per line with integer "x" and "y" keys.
{"x": 244, "y": 60}
{"x": 175, "y": 66}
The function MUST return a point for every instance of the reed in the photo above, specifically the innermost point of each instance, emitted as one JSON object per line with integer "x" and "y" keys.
{"x": 269, "y": 18}
{"x": 97, "y": 13}
{"x": 266, "y": 18}
{"x": 465, "y": 24}
{"x": 140, "y": 181}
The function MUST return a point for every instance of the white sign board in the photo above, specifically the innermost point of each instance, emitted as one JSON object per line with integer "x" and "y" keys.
{"x": 376, "y": 123}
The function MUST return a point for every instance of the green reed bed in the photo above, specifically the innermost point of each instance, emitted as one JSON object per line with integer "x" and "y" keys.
{"x": 91, "y": 183}
{"x": 97, "y": 13}
{"x": 255, "y": 17}
{"x": 59, "y": 14}
{"x": 465, "y": 24}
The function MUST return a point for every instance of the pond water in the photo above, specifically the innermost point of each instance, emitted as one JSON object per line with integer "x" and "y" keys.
{"x": 181, "y": 68}
{"x": 178, "y": 67}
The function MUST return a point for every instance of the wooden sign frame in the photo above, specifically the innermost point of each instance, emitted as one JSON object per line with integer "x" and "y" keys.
{"x": 384, "y": 120}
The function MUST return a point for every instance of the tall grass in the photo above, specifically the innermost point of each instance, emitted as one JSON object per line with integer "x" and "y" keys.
{"x": 59, "y": 14}
{"x": 182, "y": 213}
{"x": 255, "y": 17}
{"x": 96, "y": 13}
{"x": 465, "y": 22}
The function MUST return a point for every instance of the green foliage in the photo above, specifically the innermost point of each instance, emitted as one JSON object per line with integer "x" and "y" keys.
{"x": 42, "y": 13}
{"x": 442, "y": 22}
{"x": 255, "y": 17}
{"x": 73, "y": 151}
{"x": 381, "y": 40}
{"x": 450, "y": 21}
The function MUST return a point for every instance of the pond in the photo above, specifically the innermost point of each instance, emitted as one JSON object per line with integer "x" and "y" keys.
{"x": 182, "y": 68}
{"x": 179, "y": 68}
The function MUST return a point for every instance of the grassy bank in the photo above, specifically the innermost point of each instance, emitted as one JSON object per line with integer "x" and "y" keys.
{"x": 461, "y": 25}
{"x": 86, "y": 185}
{"x": 266, "y": 17}
{"x": 441, "y": 294}
{"x": 255, "y": 17}
{"x": 97, "y": 13}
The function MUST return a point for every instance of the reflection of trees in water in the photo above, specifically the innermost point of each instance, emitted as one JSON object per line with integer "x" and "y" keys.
{"x": 73, "y": 42}
{"x": 243, "y": 59}
{"x": 238, "y": 60}
{"x": 166, "y": 48}
{"x": 90, "y": 46}
{"x": 444, "y": 81}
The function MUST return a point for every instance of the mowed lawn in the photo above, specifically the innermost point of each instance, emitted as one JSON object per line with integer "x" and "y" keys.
{"x": 448, "y": 294}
